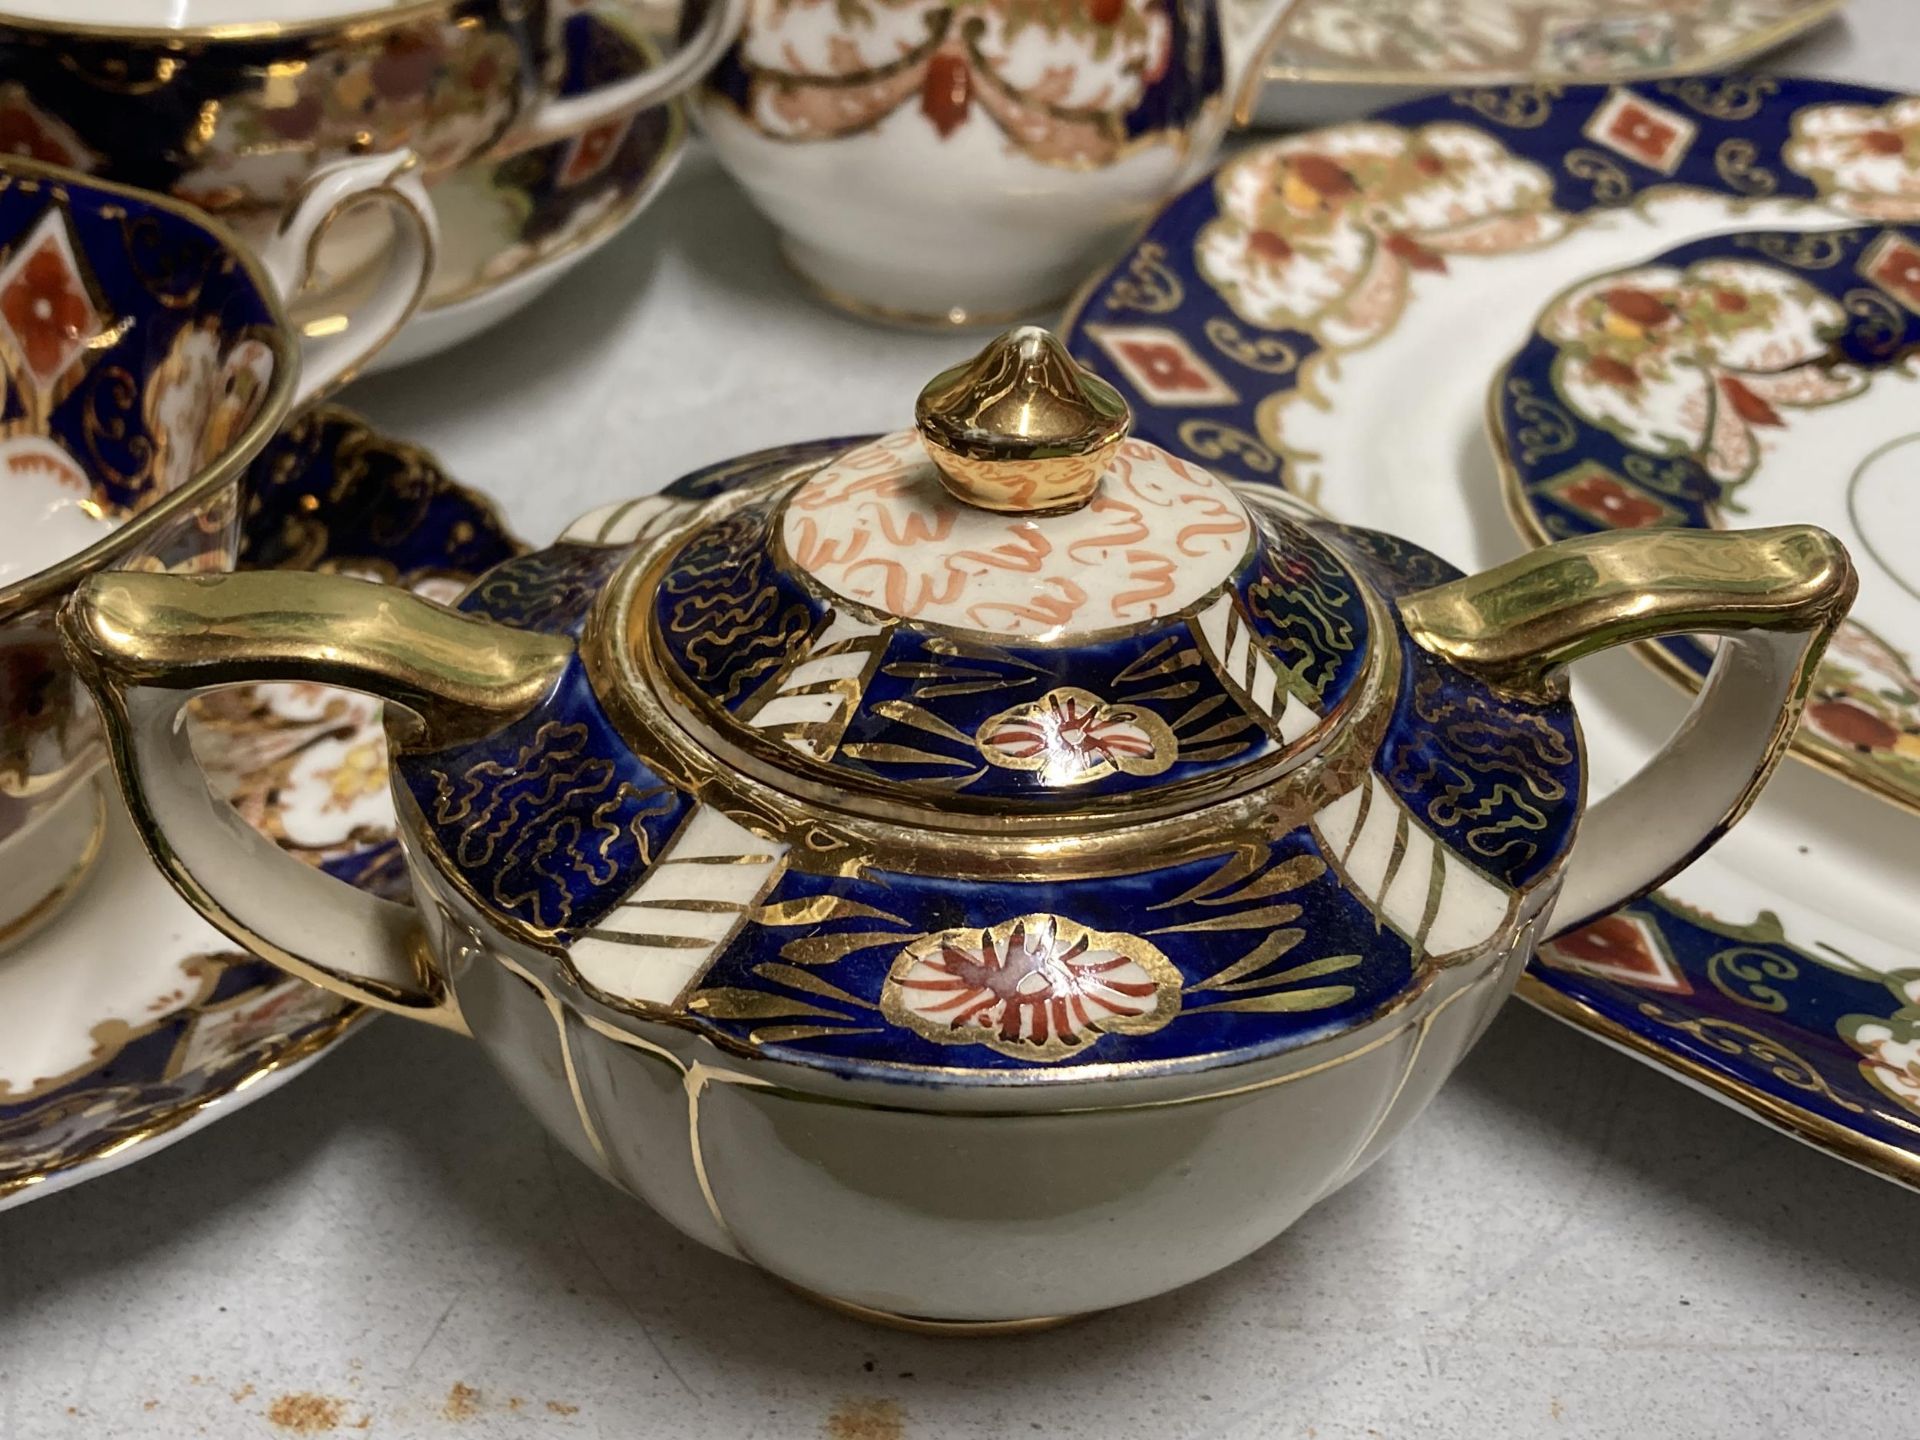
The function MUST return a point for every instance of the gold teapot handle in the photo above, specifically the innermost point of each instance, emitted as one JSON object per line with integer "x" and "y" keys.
{"x": 146, "y": 644}
{"x": 1774, "y": 596}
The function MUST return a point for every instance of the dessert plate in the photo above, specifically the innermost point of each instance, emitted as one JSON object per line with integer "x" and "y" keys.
{"x": 1326, "y": 311}
{"x": 1334, "y": 59}
{"x": 129, "y": 1022}
{"x": 1749, "y": 379}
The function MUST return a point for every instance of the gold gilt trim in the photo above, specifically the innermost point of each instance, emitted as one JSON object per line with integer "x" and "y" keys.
{"x": 849, "y": 819}
{"x": 1021, "y": 428}
{"x": 843, "y": 823}
{"x": 920, "y": 1325}
{"x": 698, "y": 1075}
{"x": 109, "y": 1037}
{"x": 223, "y": 470}
{"x": 1877, "y": 1157}
{"x": 459, "y": 677}
{"x": 611, "y": 1017}
{"x": 1519, "y": 625}
{"x": 406, "y": 212}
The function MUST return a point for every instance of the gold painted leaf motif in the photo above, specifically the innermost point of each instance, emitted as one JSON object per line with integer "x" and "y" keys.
{"x": 730, "y": 1003}
{"x": 1284, "y": 1001}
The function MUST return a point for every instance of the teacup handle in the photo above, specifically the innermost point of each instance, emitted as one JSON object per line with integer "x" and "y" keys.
{"x": 346, "y": 342}
{"x": 1774, "y": 596}
{"x": 561, "y": 115}
{"x": 148, "y": 643}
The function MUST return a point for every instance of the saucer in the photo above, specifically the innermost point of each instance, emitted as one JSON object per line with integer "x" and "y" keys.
{"x": 513, "y": 223}
{"x": 1334, "y": 59}
{"x": 129, "y": 1022}
{"x": 1325, "y": 312}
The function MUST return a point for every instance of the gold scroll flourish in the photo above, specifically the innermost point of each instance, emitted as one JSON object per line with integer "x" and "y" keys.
{"x": 173, "y": 274}
{"x": 1734, "y": 162}
{"x": 1741, "y": 973}
{"x": 117, "y": 387}
{"x": 1611, "y": 184}
{"x": 1736, "y": 97}
{"x": 1813, "y": 250}
{"x": 1881, "y": 324}
{"x": 1518, "y": 107}
{"x": 1733, "y": 1039}
{"x": 1150, "y": 287}
{"x": 1266, "y": 353}
{"x": 1211, "y": 440}
{"x": 1672, "y": 477}
{"x": 1545, "y": 428}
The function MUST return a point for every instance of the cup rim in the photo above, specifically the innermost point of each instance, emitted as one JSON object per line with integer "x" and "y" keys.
{"x": 225, "y": 468}
{"x": 361, "y": 20}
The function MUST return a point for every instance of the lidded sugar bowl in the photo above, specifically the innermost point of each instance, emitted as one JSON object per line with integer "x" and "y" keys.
{"x": 981, "y": 874}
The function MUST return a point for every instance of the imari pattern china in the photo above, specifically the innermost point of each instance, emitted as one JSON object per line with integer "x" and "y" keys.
{"x": 856, "y": 827}
{"x": 1359, "y": 54}
{"x": 234, "y": 107}
{"x": 1735, "y": 378}
{"x": 934, "y": 161}
{"x": 514, "y": 222}
{"x": 130, "y": 1022}
{"x": 1321, "y": 314}
{"x": 537, "y": 204}
{"x": 144, "y": 359}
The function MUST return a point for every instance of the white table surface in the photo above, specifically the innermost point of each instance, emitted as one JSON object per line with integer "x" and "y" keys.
{"x": 1567, "y": 1244}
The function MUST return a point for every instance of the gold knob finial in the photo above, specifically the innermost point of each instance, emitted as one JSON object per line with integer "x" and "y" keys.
{"x": 1021, "y": 427}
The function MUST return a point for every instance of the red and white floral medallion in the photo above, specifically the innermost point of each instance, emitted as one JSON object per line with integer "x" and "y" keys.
{"x": 1698, "y": 361}
{"x": 1865, "y": 159}
{"x": 1324, "y": 232}
{"x": 1070, "y": 736}
{"x": 1040, "y": 987}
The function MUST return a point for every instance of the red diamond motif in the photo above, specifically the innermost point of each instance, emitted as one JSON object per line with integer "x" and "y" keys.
{"x": 591, "y": 151}
{"x": 46, "y": 314}
{"x": 1161, "y": 365}
{"x": 1613, "y": 503}
{"x": 1646, "y": 133}
{"x": 1621, "y": 947}
{"x": 1893, "y": 263}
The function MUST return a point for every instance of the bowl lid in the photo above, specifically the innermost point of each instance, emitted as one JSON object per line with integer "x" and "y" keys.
{"x": 1013, "y": 605}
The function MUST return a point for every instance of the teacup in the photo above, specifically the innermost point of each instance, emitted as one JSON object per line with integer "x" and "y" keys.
{"x": 146, "y": 360}
{"x": 232, "y": 104}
